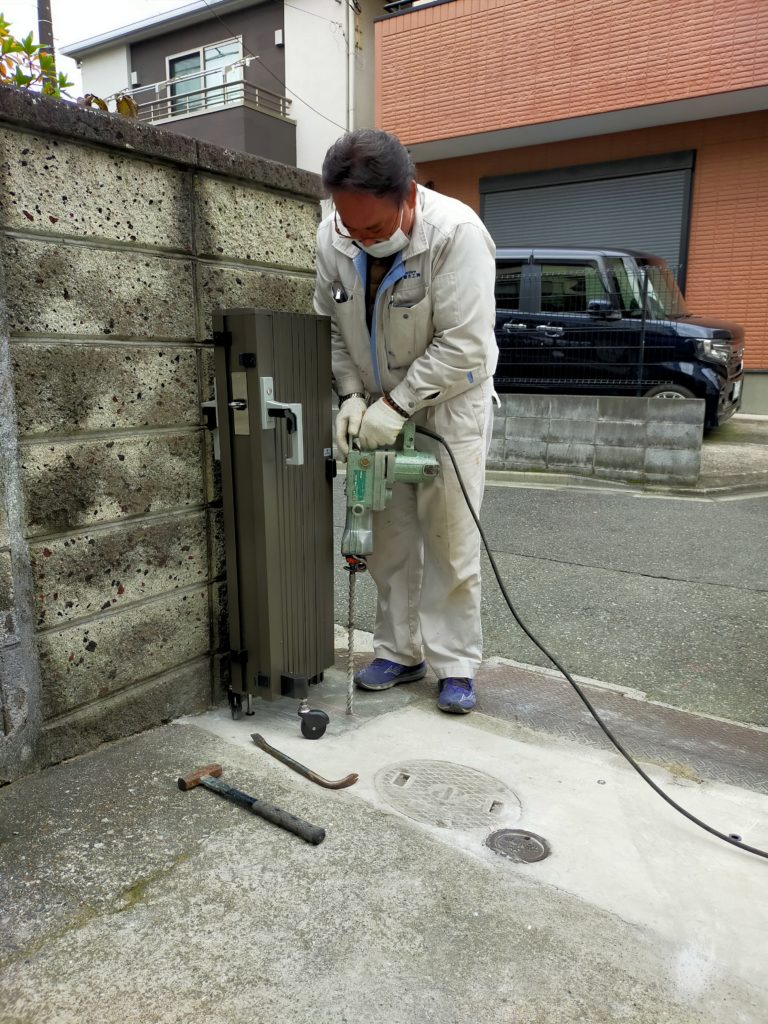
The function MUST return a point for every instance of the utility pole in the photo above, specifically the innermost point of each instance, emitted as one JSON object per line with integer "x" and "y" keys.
{"x": 45, "y": 30}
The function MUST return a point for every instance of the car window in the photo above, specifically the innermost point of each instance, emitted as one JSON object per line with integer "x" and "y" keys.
{"x": 627, "y": 288}
{"x": 567, "y": 288}
{"x": 508, "y": 276}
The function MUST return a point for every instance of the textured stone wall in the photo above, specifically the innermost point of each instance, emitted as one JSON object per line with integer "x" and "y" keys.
{"x": 631, "y": 439}
{"x": 117, "y": 243}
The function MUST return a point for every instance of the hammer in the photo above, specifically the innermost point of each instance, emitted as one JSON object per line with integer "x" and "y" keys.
{"x": 209, "y": 777}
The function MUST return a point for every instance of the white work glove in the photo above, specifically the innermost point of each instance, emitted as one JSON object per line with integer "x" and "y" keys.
{"x": 348, "y": 421}
{"x": 381, "y": 425}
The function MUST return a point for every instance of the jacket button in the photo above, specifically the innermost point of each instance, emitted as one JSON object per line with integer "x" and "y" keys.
{"x": 405, "y": 316}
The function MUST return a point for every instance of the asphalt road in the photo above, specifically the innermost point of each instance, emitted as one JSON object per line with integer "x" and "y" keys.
{"x": 668, "y": 595}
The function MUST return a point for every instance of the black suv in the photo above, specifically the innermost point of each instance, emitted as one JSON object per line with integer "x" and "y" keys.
{"x": 609, "y": 322}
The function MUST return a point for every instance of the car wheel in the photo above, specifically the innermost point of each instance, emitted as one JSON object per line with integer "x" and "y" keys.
{"x": 669, "y": 391}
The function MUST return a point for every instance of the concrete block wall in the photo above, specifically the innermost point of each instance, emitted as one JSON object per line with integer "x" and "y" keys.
{"x": 117, "y": 243}
{"x": 629, "y": 439}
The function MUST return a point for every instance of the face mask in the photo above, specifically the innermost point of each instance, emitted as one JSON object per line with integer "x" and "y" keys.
{"x": 389, "y": 246}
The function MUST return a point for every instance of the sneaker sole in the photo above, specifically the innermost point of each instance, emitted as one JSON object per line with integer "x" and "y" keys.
{"x": 388, "y": 686}
{"x": 454, "y": 709}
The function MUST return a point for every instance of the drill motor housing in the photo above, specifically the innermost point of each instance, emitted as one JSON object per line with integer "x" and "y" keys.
{"x": 371, "y": 475}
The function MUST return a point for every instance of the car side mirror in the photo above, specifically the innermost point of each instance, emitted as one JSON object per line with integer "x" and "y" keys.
{"x": 603, "y": 309}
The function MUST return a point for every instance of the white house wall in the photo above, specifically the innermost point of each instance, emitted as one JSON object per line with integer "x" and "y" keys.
{"x": 107, "y": 72}
{"x": 316, "y": 74}
{"x": 364, "y": 64}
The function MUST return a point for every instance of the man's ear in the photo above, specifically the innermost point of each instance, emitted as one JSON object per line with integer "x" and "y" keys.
{"x": 411, "y": 197}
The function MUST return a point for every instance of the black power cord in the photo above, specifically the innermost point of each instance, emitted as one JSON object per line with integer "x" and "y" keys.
{"x": 643, "y": 775}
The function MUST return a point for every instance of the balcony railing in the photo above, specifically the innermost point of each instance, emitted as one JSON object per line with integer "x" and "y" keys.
{"x": 204, "y": 91}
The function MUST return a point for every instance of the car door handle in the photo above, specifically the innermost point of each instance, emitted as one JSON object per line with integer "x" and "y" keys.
{"x": 509, "y": 327}
{"x": 550, "y": 330}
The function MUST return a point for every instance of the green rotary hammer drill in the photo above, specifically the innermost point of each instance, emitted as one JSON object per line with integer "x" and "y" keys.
{"x": 371, "y": 475}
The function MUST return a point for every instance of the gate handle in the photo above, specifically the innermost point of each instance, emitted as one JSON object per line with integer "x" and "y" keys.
{"x": 291, "y": 412}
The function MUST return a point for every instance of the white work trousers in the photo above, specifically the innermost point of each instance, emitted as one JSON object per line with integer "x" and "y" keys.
{"x": 426, "y": 548}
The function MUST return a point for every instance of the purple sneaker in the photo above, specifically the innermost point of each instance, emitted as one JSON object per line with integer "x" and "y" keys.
{"x": 456, "y": 696}
{"x": 381, "y": 674}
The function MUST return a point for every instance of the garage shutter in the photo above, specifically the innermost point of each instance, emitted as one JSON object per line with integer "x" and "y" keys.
{"x": 634, "y": 204}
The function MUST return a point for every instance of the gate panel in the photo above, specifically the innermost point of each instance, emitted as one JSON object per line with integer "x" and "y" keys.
{"x": 273, "y": 382}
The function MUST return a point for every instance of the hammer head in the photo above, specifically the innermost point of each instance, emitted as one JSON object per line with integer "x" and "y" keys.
{"x": 193, "y": 779}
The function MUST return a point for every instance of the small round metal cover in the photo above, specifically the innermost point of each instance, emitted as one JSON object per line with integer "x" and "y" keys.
{"x": 518, "y": 845}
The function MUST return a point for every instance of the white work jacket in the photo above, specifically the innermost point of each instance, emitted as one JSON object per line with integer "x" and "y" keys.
{"x": 432, "y": 334}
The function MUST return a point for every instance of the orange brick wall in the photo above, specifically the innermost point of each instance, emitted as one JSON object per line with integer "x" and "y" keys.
{"x": 482, "y": 65}
{"x": 728, "y": 251}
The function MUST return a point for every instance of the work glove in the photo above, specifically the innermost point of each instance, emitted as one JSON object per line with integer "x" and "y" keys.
{"x": 348, "y": 420}
{"x": 381, "y": 425}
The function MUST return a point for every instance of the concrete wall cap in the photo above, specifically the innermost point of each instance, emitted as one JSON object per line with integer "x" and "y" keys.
{"x": 46, "y": 114}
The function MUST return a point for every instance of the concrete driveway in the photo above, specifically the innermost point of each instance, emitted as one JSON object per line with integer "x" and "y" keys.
{"x": 736, "y": 454}
{"x": 126, "y": 900}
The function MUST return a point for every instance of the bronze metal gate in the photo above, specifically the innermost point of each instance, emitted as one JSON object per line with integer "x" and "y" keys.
{"x": 273, "y": 384}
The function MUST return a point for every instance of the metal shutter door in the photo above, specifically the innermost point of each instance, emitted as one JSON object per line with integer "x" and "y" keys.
{"x": 646, "y": 212}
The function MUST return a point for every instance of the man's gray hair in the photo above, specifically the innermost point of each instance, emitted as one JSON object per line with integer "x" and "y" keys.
{"x": 369, "y": 160}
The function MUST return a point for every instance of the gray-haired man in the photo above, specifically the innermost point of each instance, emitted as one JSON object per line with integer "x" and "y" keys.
{"x": 407, "y": 276}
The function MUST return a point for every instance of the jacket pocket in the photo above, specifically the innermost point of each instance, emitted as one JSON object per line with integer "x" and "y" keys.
{"x": 408, "y": 331}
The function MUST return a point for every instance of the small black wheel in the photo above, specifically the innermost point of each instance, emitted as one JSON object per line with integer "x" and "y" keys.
{"x": 313, "y": 724}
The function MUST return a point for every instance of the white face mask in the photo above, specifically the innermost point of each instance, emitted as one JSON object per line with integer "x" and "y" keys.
{"x": 389, "y": 246}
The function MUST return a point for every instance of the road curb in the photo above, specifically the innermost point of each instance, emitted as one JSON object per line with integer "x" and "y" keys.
{"x": 543, "y": 479}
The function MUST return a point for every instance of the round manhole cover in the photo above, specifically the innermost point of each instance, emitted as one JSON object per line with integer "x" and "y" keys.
{"x": 517, "y": 845}
{"x": 447, "y": 795}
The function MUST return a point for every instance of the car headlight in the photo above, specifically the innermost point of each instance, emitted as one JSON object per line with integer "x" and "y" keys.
{"x": 719, "y": 351}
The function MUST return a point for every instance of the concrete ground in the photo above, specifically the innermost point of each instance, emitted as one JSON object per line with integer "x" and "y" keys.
{"x": 662, "y": 592}
{"x": 124, "y": 900}
{"x": 736, "y": 455}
